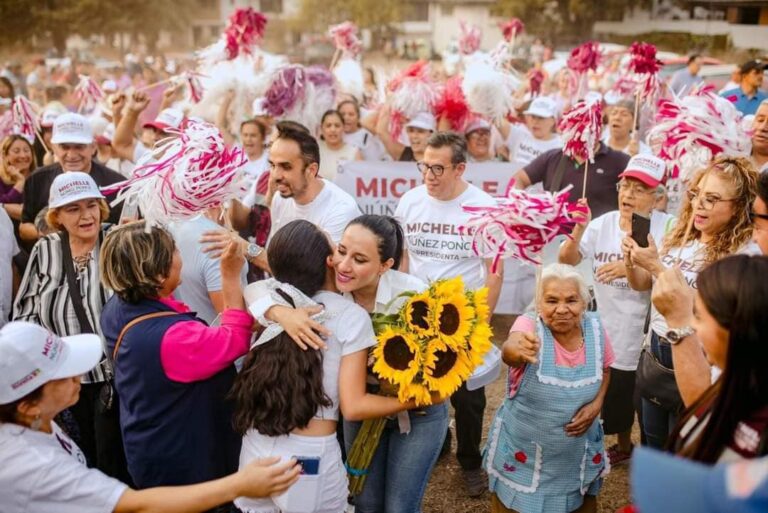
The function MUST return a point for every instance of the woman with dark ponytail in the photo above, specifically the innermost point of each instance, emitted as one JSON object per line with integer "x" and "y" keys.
{"x": 288, "y": 400}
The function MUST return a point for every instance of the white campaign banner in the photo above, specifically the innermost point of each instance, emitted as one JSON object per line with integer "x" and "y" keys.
{"x": 378, "y": 186}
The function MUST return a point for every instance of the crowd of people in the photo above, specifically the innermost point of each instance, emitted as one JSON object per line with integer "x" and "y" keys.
{"x": 221, "y": 362}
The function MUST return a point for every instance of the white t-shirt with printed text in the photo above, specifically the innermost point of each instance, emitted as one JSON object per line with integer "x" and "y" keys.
{"x": 622, "y": 309}
{"x": 331, "y": 210}
{"x": 46, "y": 473}
{"x": 436, "y": 250}
{"x": 524, "y": 147}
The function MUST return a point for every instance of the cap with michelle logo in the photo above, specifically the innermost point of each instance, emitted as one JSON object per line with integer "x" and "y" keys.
{"x": 72, "y": 186}
{"x": 168, "y": 119}
{"x": 422, "y": 120}
{"x": 71, "y": 128}
{"x": 31, "y": 356}
{"x": 648, "y": 169}
{"x": 542, "y": 107}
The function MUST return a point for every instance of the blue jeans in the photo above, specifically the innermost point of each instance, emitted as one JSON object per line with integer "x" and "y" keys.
{"x": 658, "y": 422}
{"x": 402, "y": 463}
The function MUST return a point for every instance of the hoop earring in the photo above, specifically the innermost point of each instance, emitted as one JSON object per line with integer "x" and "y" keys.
{"x": 35, "y": 424}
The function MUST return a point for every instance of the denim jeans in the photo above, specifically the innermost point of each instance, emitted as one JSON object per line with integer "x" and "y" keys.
{"x": 658, "y": 422}
{"x": 469, "y": 406}
{"x": 402, "y": 464}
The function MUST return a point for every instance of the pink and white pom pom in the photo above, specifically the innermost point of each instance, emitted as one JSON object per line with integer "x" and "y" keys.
{"x": 690, "y": 131}
{"x": 184, "y": 176}
{"x": 412, "y": 92}
{"x": 194, "y": 85}
{"x": 245, "y": 30}
{"x": 489, "y": 90}
{"x": 512, "y": 28}
{"x": 300, "y": 94}
{"x": 469, "y": 38}
{"x": 452, "y": 105}
{"x": 345, "y": 38}
{"x": 646, "y": 66}
{"x": 25, "y": 118}
{"x": 88, "y": 94}
{"x": 625, "y": 86}
{"x": 581, "y": 127}
{"x": 520, "y": 225}
{"x": 582, "y": 60}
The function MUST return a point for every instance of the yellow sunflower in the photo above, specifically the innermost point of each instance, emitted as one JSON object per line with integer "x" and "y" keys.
{"x": 480, "y": 303}
{"x": 444, "y": 369}
{"x": 416, "y": 391}
{"x": 397, "y": 357}
{"x": 448, "y": 288}
{"x": 418, "y": 314}
{"x": 453, "y": 320}
{"x": 479, "y": 343}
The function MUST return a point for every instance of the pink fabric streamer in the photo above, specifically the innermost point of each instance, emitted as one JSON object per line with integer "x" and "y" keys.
{"x": 413, "y": 91}
{"x": 520, "y": 225}
{"x": 691, "y": 131}
{"x": 511, "y": 29}
{"x": 452, "y": 105}
{"x": 583, "y": 59}
{"x": 25, "y": 119}
{"x": 194, "y": 85}
{"x": 245, "y": 30}
{"x": 88, "y": 94}
{"x": 184, "y": 176}
{"x": 469, "y": 38}
{"x": 643, "y": 62}
{"x": 345, "y": 38}
{"x": 581, "y": 127}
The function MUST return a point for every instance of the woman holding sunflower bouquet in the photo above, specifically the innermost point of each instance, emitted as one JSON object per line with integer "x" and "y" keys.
{"x": 545, "y": 449}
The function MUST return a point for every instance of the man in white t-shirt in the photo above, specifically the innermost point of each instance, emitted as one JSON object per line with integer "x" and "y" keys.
{"x": 622, "y": 309}
{"x": 431, "y": 215}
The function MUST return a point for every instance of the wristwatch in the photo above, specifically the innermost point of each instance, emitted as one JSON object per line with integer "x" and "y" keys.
{"x": 675, "y": 335}
{"x": 253, "y": 250}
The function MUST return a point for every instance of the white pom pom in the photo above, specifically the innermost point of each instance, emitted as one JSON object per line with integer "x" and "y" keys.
{"x": 489, "y": 91}
{"x": 349, "y": 77}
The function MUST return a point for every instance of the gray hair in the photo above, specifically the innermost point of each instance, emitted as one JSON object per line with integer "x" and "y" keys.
{"x": 455, "y": 141}
{"x": 563, "y": 272}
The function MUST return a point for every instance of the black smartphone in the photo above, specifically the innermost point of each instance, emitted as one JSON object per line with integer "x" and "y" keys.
{"x": 310, "y": 466}
{"x": 641, "y": 228}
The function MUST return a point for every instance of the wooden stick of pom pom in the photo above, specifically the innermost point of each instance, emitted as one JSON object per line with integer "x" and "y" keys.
{"x": 584, "y": 187}
{"x": 635, "y": 121}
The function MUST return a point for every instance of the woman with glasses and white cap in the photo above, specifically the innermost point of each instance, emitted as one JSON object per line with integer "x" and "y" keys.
{"x": 417, "y": 129}
{"x": 61, "y": 291}
{"x": 714, "y": 223}
{"x": 44, "y": 471}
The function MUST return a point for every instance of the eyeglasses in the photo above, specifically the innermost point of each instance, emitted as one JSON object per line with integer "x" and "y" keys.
{"x": 706, "y": 202}
{"x": 437, "y": 169}
{"x": 754, "y": 216}
{"x": 634, "y": 189}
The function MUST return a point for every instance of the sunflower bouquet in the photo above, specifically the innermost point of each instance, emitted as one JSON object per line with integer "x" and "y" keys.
{"x": 430, "y": 345}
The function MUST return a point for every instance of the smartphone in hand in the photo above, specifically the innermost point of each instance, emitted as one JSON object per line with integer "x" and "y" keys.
{"x": 641, "y": 228}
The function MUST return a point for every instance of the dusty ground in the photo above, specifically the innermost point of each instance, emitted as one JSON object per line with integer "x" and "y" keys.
{"x": 445, "y": 492}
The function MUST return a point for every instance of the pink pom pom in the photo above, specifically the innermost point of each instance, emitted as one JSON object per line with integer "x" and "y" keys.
{"x": 452, "y": 105}
{"x": 88, "y": 94}
{"x": 535, "y": 79}
{"x": 300, "y": 94}
{"x": 692, "y": 130}
{"x": 186, "y": 175}
{"x": 413, "y": 91}
{"x": 585, "y": 57}
{"x": 469, "y": 38}
{"x": 512, "y": 28}
{"x": 24, "y": 115}
{"x": 245, "y": 30}
{"x": 520, "y": 225}
{"x": 625, "y": 86}
{"x": 345, "y": 38}
{"x": 581, "y": 127}
{"x": 644, "y": 63}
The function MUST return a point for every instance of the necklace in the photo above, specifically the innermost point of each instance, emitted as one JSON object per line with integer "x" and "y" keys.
{"x": 81, "y": 262}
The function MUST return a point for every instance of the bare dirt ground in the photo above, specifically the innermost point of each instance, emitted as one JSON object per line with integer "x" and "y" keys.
{"x": 445, "y": 491}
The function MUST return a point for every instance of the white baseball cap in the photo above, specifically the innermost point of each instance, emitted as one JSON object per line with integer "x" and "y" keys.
{"x": 477, "y": 124}
{"x": 647, "y": 168}
{"x": 109, "y": 86}
{"x": 31, "y": 356}
{"x": 72, "y": 186}
{"x": 167, "y": 119}
{"x": 542, "y": 107}
{"x": 71, "y": 128}
{"x": 423, "y": 120}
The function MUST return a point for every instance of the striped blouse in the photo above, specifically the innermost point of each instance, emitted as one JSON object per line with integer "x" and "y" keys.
{"x": 43, "y": 297}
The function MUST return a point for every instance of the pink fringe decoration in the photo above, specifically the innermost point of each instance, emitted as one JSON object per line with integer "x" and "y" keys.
{"x": 25, "y": 120}
{"x": 345, "y": 38}
{"x": 511, "y": 29}
{"x": 583, "y": 59}
{"x": 581, "y": 127}
{"x": 194, "y": 85}
{"x": 452, "y": 105}
{"x": 691, "y": 131}
{"x": 185, "y": 175}
{"x": 520, "y": 225}
{"x": 245, "y": 30}
{"x": 536, "y": 79}
{"x": 469, "y": 38}
{"x": 412, "y": 92}
{"x": 644, "y": 63}
{"x": 625, "y": 86}
{"x": 88, "y": 94}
